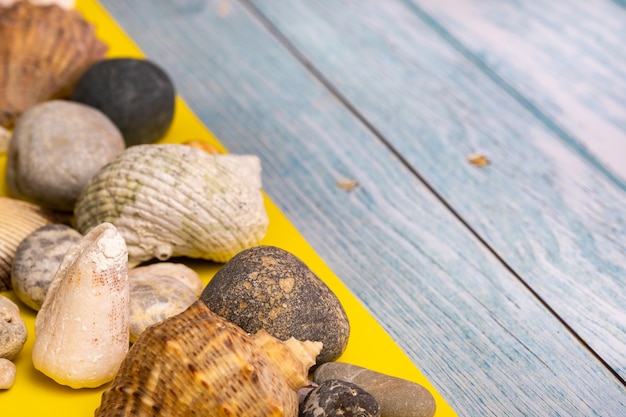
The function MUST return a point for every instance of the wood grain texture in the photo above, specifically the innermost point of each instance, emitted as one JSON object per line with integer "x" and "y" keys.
{"x": 563, "y": 60}
{"x": 545, "y": 209}
{"x": 478, "y": 334}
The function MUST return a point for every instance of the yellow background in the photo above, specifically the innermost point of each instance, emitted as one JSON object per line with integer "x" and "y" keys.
{"x": 369, "y": 346}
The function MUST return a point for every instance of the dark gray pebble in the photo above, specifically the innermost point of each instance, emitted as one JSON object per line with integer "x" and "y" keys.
{"x": 397, "y": 397}
{"x": 136, "y": 94}
{"x": 336, "y": 398}
{"x": 266, "y": 287}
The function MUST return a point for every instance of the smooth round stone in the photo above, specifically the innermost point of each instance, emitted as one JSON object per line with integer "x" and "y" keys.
{"x": 56, "y": 147}
{"x": 266, "y": 287}
{"x": 37, "y": 260}
{"x": 136, "y": 94}
{"x": 13, "y": 333}
{"x": 7, "y": 373}
{"x": 153, "y": 298}
{"x": 337, "y": 398}
{"x": 397, "y": 397}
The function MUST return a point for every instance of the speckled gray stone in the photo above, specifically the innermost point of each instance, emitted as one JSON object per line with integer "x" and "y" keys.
{"x": 56, "y": 147}
{"x": 397, "y": 397}
{"x": 37, "y": 259}
{"x": 13, "y": 333}
{"x": 270, "y": 288}
{"x": 337, "y": 398}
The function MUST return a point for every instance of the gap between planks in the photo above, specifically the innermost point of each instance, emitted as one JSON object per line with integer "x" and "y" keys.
{"x": 458, "y": 46}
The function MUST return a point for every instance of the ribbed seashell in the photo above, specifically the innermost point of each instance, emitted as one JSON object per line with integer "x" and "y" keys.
{"x": 18, "y": 220}
{"x": 175, "y": 200}
{"x": 82, "y": 328}
{"x": 197, "y": 363}
{"x": 66, "y": 4}
{"x": 43, "y": 52}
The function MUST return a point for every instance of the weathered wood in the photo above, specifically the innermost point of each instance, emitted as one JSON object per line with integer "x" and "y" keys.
{"x": 544, "y": 208}
{"x": 478, "y": 334}
{"x": 562, "y": 60}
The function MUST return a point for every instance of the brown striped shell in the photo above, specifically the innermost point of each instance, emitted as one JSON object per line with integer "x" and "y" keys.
{"x": 18, "y": 220}
{"x": 174, "y": 200}
{"x": 197, "y": 363}
{"x": 43, "y": 52}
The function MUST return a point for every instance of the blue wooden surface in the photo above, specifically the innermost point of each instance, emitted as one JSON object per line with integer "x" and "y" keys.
{"x": 505, "y": 284}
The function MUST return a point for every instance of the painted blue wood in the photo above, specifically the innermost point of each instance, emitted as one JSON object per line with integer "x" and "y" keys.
{"x": 545, "y": 208}
{"x": 475, "y": 330}
{"x": 563, "y": 60}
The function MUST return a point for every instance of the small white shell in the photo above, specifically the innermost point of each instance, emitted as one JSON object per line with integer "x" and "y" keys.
{"x": 175, "y": 200}
{"x": 180, "y": 272}
{"x": 82, "y": 327}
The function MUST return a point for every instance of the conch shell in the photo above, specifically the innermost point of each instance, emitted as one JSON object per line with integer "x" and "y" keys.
{"x": 43, "y": 52}
{"x": 18, "y": 220}
{"x": 174, "y": 200}
{"x": 82, "y": 329}
{"x": 197, "y": 363}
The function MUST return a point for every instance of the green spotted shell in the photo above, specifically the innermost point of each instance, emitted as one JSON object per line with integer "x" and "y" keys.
{"x": 174, "y": 200}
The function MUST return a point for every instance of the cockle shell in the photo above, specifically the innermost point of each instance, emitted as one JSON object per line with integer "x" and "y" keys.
{"x": 66, "y": 4}
{"x": 174, "y": 200}
{"x": 43, "y": 52}
{"x": 18, "y": 220}
{"x": 197, "y": 363}
{"x": 81, "y": 331}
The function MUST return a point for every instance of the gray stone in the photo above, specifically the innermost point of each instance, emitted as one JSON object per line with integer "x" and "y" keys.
{"x": 37, "y": 259}
{"x": 56, "y": 147}
{"x": 397, "y": 397}
{"x": 337, "y": 398}
{"x": 266, "y": 287}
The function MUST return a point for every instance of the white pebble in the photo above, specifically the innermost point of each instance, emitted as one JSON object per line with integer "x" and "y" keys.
{"x": 7, "y": 373}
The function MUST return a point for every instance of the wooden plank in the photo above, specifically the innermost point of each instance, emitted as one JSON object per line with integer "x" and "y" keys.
{"x": 476, "y": 332}
{"x": 551, "y": 215}
{"x": 563, "y": 60}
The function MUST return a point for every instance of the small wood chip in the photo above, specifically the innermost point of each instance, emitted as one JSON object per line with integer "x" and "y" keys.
{"x": 478, "y": 159}
{"x": 198, "y": 144}
{"x": 347, "y": 184}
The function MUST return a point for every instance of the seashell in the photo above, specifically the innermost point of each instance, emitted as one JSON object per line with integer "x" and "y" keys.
{"x": 175, "y": 200}
{"x": 44, "y": 50}
{"x": 178, "y": 271}
{"x": 153, "y": 298}
{"x": 196, "y": 363}
{"x": 17, "y": 221}
{"x": 66, "y": 4}
{"x": 82, "y": 327}
{"x": 5, "y": 138}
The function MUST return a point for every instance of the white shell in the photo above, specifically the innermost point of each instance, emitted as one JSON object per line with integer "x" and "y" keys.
{"x": 175, "y": 200}
{"x": 178, "y": 271}
{"x": 82, "y": 329}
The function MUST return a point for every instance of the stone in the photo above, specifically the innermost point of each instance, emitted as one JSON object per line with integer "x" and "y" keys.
{"x": 56, "y": 147}
{"x": 397, "y": 397}
{"x": 7, "y": 373}
{"x": 136, "y": 94}
{"x": 269, "y": 288}
{"x": 337, "y": 398}
{"x": 37, "y": 259}
{"x": 13, "y": 331}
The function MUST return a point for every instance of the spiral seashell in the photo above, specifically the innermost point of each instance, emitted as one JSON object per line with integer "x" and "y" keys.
{"x": 82, "y": 328}
{"x": 175, "y": 200}
{"x": 43, "y": 52}
{"x": 18, "y": 220}
{"x": 197, "y": 363}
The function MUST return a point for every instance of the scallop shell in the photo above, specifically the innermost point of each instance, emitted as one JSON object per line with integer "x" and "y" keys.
{"x": 175, "y": 200}
{"x": 43, "y": 52}
{"x": 197, "y": 363}
{"x": 83, "y": 326}
{"x": 18, "y": 220}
